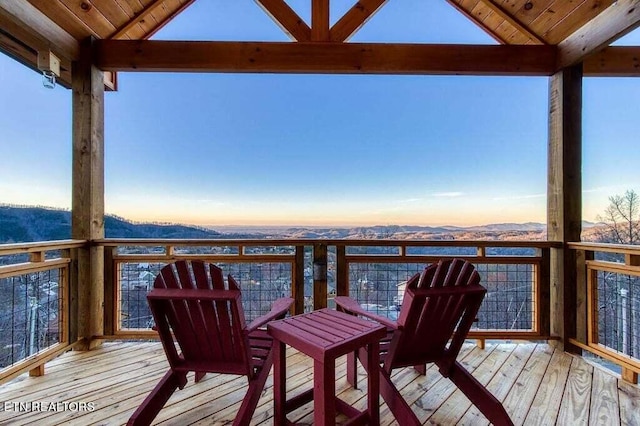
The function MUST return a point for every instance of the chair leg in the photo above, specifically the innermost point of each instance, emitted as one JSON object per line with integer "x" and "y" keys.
{"x": 153, "y": 403}
{"x": 479, "y": 395}
{"x": 421, "y": 369}
{"x": 200, "y": 375}
{"x": 396, "y": 403}
{"x": 256, "y": 385}
{"x": 352, "y": 369}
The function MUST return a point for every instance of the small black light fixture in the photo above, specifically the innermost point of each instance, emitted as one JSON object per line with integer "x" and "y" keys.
{"x": 528, "y": 5}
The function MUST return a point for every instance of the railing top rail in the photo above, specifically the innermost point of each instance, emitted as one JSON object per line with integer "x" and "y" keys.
{"x": 605, "y": 247}
{"x": 114, "y": 242}
{"x": 19, "y": 248}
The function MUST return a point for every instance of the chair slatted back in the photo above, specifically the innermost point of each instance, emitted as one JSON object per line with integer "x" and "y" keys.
{"x": 438, "y": 309}
{"x": 209, "y": 332}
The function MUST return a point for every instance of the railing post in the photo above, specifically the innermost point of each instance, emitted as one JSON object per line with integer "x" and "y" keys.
{"x": 72, "y": 292}
{"x": 297, "y": 289}
{"x": 342, "y": 271}
{"x": 320, "y": 261}
{"x": 110, "y": 287}
{"x": 543, "y": 287}
{"x": 582, "y": 257}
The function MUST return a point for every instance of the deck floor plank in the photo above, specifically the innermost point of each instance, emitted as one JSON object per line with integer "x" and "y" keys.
{"x": 501, "y": 383}
{"x": 526, "y": 387}
{"x": 539, "y": 385}
{"x": 456, "y": 405}
{"x": 605, "y": 407}
{"x": 629, "y": 397}
{"x": 545, "y": 405}
{"x": 577, "y": 395}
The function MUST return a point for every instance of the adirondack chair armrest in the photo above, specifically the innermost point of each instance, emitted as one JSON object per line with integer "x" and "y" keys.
{"x": 351, "y": 306}
{"x": 278, "y": 311}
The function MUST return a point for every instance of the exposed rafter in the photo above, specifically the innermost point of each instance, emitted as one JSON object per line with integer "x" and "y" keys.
{"x": 519, "y": 26}
{"x": 339, "y": 58}
{"x": 354, "y": 19}
{"x": 287, "y": 19}
{"x": 616, "y": 21}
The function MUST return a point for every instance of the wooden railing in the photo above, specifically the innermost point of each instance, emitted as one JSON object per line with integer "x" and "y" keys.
{"x": 608, "y": 322}
{"x": 313, "y": 271}
{"x": 34, "y": 304}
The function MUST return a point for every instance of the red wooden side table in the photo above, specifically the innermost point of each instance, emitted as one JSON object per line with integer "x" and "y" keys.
{"x": 325, "y": 335}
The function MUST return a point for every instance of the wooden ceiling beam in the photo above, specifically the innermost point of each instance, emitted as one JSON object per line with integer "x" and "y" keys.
{"x": 515, "y": 23}
{"x": 614, "y": 22}
{"x": 40, "y": 29}
{"x": 354, "y": 19}
{"x": 325, "y": 58}
{"x": 320, "y": 20}
{"x": 148, "y": 9}
{"x": 614, "y": 61}
{"x": 287, "y": 19}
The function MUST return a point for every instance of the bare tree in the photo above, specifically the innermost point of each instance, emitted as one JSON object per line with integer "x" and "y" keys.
{"x": 619, "y": 295}
{"x": 621, "y": 219}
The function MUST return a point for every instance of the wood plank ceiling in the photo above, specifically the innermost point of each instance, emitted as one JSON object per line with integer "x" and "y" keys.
{"x": 508, "y": 21}
{"x": 512, "y": 22}
{"x": 531, "y": 21}
{"x": 111, "y": 19}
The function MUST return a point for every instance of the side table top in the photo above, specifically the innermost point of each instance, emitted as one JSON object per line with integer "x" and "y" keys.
{"x": 326, "y": 333}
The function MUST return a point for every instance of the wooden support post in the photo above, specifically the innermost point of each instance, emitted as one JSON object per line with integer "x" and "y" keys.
{"x": 319, "y": 276}
{"x": 297, "y": 289}
{"x": 481, "y": 343}
{"x": 87, "y": 208}
{"x": 564, "y": 197}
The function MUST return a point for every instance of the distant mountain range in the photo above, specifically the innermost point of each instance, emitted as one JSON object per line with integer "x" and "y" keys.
{"x": 26, "y": 224}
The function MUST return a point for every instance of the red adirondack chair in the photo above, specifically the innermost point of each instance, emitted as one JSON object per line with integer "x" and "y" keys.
{"x": 438, "y": 309}
{"x": 193, "y": 309}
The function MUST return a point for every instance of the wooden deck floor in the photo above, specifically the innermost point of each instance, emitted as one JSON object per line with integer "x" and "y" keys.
{"x": 536, "y": 384}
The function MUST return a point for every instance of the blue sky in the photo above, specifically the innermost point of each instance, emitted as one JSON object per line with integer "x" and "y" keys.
{"x": 318, "y": 149}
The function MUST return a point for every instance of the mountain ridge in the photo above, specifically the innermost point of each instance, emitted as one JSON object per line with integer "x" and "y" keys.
{"x": 38, "y": 223}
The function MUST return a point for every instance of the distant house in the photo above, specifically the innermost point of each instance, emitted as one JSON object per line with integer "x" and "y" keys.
{"x": 400, "y": 293}
{"x": 146, "y": 276}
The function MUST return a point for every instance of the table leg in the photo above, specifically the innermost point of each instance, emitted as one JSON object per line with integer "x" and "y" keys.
{"x": 324, "y": 392}
{"x": 279, "y": 383}
{"x": 373, "y": 388}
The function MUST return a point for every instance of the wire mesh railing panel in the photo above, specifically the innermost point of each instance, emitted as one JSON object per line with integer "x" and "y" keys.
{"x": 618, "y": 312}
{"x": 30, "y": 314}
{"x": 508, "y": 305}
{"x": 261, "y": 283}
{"x": 379, "y": 287}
